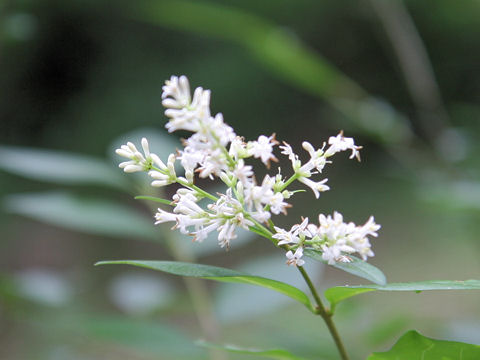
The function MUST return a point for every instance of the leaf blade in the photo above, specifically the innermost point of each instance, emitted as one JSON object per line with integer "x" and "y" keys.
{"x": 357, "y": 267}
{"x": 414, "y": 346}
{"x": 86, "y": 215}
{"x": 275, "y": 354}
{"x": 339, "y": 293}
{"x": 59, "y": 167}
{"x": 216, "y": 273}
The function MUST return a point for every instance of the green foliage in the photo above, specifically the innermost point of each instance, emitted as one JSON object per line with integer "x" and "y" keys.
{"x": 413, "y": 346}
{"x": 356, "y": 267}
{"x": 140, "y": 336}
{"x": 91, "y": 216}
{"x": 275, "y": 354}
{"x": 284, "y": 56}
{"x": 218, "y": 274}
{"x": 339, "y": 293}
{"x": 60, "y": 167}
{"x": 154, "y": 199}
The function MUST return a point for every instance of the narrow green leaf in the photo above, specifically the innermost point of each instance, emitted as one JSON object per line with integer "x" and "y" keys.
{"x": 153, "y": 198}
{"x": 414, "y": 346}
{"x": 276, "y": 354}
{"x": 339, "y": 293}
{"x": 272, "y": 266}
{"x": 357, "y": 267}
{"x": 59, "y": 167}
{"x": 92, "y": 216}
{"x": 218, "y": 274}
{"x": 140, "y": 336}
{"x": 283, "y": 55}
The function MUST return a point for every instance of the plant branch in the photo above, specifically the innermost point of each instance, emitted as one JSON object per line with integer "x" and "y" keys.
{"x": 325, "y": 314}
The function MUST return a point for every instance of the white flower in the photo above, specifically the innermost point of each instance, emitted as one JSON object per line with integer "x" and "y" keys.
{"x": 316, "y": 187}
{"x": 330, "y": 253}
{"x": 285, "y": 237}
{"x": 176, "y": 92}
{"x": 243, "y": 172}
{"x": 295, "y": 259}
{"x": 317, "y": 159}
{"x": 291, "y": 237}
{"x": 238, "y": 148}
{"x": 184, "y": 113}
{"x": 138, "y": 161}
{"x": 263, "y": 148}
{"x": 340, "y": 143}
{"x": 287, "y": 150}
{"x": 336, "y": 238}
{"x": 167, "y": 174}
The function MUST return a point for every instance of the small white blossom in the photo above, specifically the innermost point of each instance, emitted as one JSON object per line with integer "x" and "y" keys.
{"x": 291, "y": 237}
{"x": 340, "y": 143}
{"x": 316, "y": 187}
{"x": 184, "y": 113}
{"x": 138, "y": 161}
{"x": 263, "y": 148}
{"x": 287, "y": 150}
{"x": 295, "y": 259}
{"x": 285, "y": 237}
{"x": 167, "y": 174}
{"x": 336, "y": 238}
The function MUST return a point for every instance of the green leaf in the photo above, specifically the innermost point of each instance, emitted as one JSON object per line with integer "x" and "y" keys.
{"x": 59, "y": 167}
{"x": 141, "y": 336}
{"x": 283, "y": 55}
{"x": 218, "y": 274}
{"x": 413, "y": 346}
{"x": 357, "y": 267}
{"x": 339, "y": 293}
{"x": 276, "y": 354}
{"x": 98, "y": 217}
{"x": 271, "y": 266}
{"x": 153, "y": 198}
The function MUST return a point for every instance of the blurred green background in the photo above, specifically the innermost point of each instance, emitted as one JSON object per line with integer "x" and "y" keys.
{"x": 79, "y": 77}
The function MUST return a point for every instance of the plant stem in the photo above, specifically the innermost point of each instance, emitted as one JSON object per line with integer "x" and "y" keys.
{"x": 288, "y": 182}
{"x": 326, "y": 315}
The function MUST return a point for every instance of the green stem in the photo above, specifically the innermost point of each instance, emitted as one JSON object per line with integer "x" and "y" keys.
{"x": 325, "y": 314}
{"x": 188, "y": 185}
{"x": 289, "y": 181}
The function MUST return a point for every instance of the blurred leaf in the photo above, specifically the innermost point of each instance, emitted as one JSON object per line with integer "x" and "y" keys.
{"x": 387, "y": 327}
{"x": 413, "y": 346}
{"x": 154, "y": 199}
{"x": 162, "y": 340}
{"x": 218, "y": 274}
{"x": 339, "y": 293}
{"x": 228, "y": 296}
{"x": 282, "y": 54}
{"x": 454, "y": 196}
{"x": 59, "y": 167}
{"x": 357, "y": 267}
{"x": 276, "y": 354}
{"x": 99, "y": 217}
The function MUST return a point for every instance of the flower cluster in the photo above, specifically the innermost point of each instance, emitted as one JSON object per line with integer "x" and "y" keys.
{"x": 215, "y": 151}
{"x": 332, "y": 236}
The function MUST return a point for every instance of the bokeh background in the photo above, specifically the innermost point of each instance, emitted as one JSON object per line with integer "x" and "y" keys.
{"x": 79, "y": 77}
